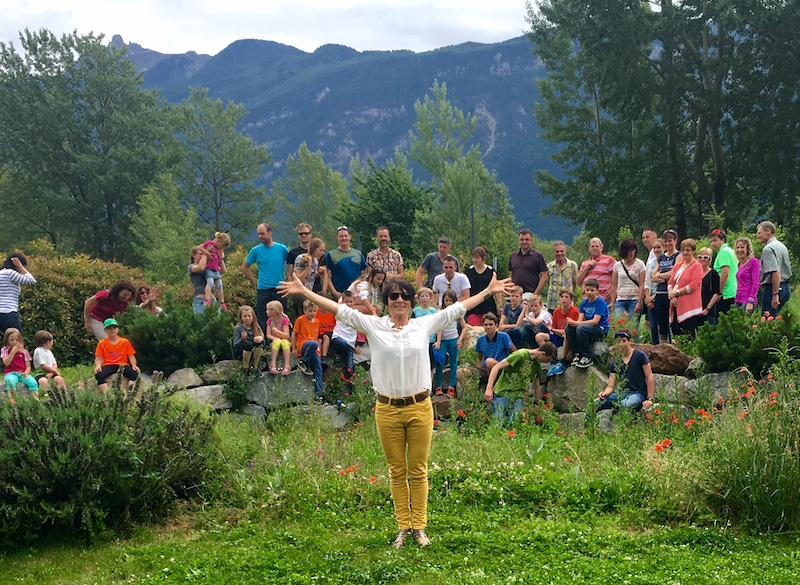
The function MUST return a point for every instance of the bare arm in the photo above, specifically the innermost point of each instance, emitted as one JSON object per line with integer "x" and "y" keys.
{"x": 201, "y": 265}
{"x": 295, "y": 287}
{"x": 90, "y": 302}
{"x": 542, "y": 282}
{"x": 612, "y": 294}
{"x": 612, "y": 381}
{"x": 248, "y": 274}
{"x": 723, "y": 276}
{"x": 495, "y": 287}
{"x": 134, "y": 363}
{"x": 420, "y": 272}
{"x": 493, "y": 374}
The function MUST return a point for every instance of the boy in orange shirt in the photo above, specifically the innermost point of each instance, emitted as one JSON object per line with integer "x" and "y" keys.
{"x": 305, "y": 340}
{"x": 327, "y": 322}
{"x": 111, "y": 353}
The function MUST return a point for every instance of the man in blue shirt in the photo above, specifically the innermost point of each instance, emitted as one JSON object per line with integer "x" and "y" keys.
{"x": 270, "y": 257}
{"x": 592, "y": 325}
{"x": 345, "y": 264}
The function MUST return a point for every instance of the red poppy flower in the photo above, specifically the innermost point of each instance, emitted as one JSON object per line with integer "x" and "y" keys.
{"x": 512, "y": 434}
{"x": 659, "y": 447}
{"x": 373, "y": 479}
{"x": 666, "y": 443}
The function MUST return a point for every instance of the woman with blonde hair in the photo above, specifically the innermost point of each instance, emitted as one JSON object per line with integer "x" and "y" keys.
{"x": 684, "y": 289}
{"x": 747, "y": 276}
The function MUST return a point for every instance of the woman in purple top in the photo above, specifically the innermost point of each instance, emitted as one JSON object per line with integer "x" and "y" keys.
{"x": 747, "y": 276}
{"x": 105, "y": 304}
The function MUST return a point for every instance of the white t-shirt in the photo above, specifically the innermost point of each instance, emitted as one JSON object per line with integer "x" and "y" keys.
{"x": 459, "y": 284}
{"x": 626, "y": 289}
{"x": 43, "y": 356}
{"x": 400, "y": 362}
{"x": 544, "y": 315}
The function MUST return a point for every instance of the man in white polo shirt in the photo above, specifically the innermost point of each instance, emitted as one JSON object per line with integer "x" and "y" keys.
{"x": 451, "y": 280}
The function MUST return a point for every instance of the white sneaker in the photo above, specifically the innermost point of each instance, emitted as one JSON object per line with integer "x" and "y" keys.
{"x": 585, "y": 362}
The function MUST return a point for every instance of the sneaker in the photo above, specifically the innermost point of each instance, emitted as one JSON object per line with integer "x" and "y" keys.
{"x": 319, "y": 400}
{"x": 438, "y": 391}
{"x": 585, "y": 362}
{"x": 260, "y": 374}
{"x": 451, "y": 392}
{"x": 421, "y": 538}
{"x": 304, "y": 368}
{"x": 557, "y": 368}
{"x": 576, "y": 359}
{"x": 401, "y": 538}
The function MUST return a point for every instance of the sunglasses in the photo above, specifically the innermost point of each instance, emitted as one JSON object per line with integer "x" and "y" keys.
{"x": 303, "y": 233}
{"x": 407, "y": 296}
{"x": 342, "y": 227}
{"x": 144, "y": 292}
{"x": 704, "y": 257}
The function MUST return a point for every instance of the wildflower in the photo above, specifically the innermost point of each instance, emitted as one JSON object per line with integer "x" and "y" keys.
{"x": 319, "y": 452}
{"x": 770, "y": 318}
{"x": 755, "y": 326}
{"x": 559, "y": 432}
{"x": 769, "y": 376}
{"x": 567, "y": 459}
{"x": 524, "y": 421}
{"x": 373, "y": 479}
{"x": 657, "y": 411}
{"x": 621, "y": 321}
{"x": 773, "y": 394}
{"x": 688, "y": 424}
{"x": 741, "y": 414}
{"x": 322, "y": 439}
{"x": 512, "y": 434}
{"x": 666, "y": 443}
{"x": 778, "y": 318}
{"x": 436, "y": 422}
{"x": 648, "y": 416}
{"x": 539, "y": 421}
{"x": 462, "y": 414}
{"x": 342, "y": 472}
{"x": 659, "y": 447}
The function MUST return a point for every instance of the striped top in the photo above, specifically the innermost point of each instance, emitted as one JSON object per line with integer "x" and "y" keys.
{"x": 10, "y": 286}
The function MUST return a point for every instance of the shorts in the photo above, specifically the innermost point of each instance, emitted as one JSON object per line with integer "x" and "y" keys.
{"x": 107, "y": 371}
{"x": 556, "y": 340}
{"x": 281, "y": 344}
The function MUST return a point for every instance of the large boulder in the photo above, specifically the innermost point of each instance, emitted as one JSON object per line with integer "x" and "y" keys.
{"x": 338, "y": 417}
{"x": 271, "y": 391}
{"x": 213, "y": 396}
{"x": 254, "y": 410}
{"x": 696, "y": 368}
{"x": 220, "y": 371}
{"x": 569, "y": 392}
{"x": 184, "y": 378}
{"x": 572, "y": 422}
{"x": 671, "y": 388}
{"x": 665, "y": 358}
{"x": 715, "y": 386}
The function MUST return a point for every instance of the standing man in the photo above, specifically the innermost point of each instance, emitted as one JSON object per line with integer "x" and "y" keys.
{"x": 432, "y": 263}
{"x": 526, "y": 266}
{"x": 385, "y": 257}
{"x": 561, "y": 273}
{"x": 775, "y": 270}
{"x": 648, "y": 238}
{"x": 451, "y": 280}
{"x": 726, "y": 266}
{"x": 270, "y": 257}
{"x": 304, "y": 234}
{"x": 599, "y": 267}
{"x": 345, "y": 264}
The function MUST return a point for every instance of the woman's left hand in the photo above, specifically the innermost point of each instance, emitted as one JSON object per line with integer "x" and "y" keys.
{"x": 293, "y": 286}
{"x": 499, "y": 286}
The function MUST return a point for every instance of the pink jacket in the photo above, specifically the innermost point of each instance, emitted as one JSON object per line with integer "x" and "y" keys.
{"x": 691, "y": 279}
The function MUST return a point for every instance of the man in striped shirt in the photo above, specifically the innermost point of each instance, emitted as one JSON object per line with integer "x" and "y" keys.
{"x": 598, "y": 266}
{"x": 561, "y": 273}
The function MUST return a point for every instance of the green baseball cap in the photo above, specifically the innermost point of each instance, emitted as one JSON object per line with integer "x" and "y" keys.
{"x": 110, "y": 322}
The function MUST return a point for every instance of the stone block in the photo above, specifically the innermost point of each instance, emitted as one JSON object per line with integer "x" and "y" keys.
{"x": 184, "y": 378}
{"x": 220, "y": 371}
{"x": 569, "y": 392}
{"x": 671, "y": 388}
{"x": 271, "y": 391}
{"x": 571, "y": 422}
{"x": 213, "y": 396}
{"x": 337, "y": 417}
{"x": 255, "y": 410}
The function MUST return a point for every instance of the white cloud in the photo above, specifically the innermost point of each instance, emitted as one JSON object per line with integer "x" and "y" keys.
{"x": 206, "y": 26}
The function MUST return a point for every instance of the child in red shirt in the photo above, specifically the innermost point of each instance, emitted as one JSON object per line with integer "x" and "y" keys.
{"x": 567, "y": 310}
{"x": 305, "y": 340}
{"x": 327, "y": 321}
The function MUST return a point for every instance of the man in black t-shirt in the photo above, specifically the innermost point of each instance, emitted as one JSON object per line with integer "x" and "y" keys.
{"x": 633, "y": 368}
{"x": 304, "y": 234}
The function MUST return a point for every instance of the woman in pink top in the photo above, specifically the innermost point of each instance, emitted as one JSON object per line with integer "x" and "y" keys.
{"x": 747, "y": 276}
{"x": 105, "y": 304}
{"x": 684, "y": 289}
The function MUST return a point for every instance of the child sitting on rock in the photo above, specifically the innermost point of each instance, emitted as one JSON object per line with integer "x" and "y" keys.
{"x": 44, "y": 360}
{"x": 17, "y": 364}
{"x": 112, "y": 353}
{"x": 278, "y": 328}
{"x": 305, "y": 340}
{"x": 248, "y": 340}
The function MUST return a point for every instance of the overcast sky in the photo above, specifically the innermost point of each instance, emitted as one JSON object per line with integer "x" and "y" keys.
{"x": 208, "y": 26}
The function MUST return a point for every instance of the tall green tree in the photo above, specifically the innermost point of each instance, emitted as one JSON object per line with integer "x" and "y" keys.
{"x": 385, "y": 196}
{"x": 464, "y": 191}
{"x": 163, "y": 231}
{"x": 310, "y": 191}
{"x": 80, "y": 140}
{"x": 658, "y": 106}
{"x": 221, "y": 165}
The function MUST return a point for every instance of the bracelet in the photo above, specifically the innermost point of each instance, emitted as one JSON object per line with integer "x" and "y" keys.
{"x": 487, "y": 296}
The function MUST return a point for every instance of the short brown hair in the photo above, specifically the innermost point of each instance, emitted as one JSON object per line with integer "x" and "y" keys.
{"x": 490, "y": 317}
{"x": 41, "y": 337}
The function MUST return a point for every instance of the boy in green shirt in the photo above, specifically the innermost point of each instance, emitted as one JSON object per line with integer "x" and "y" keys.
{"x": 509, "y": 379}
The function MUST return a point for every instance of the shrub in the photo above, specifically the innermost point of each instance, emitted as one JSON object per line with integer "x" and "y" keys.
{"x": 86, "y": 462}
{"x": 177, "y": 338}
{"x": 742, "y": 339}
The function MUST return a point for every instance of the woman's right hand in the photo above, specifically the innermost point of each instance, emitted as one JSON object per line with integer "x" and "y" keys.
{"x": 293, "y": 286}
{"x": 87, "y": 326}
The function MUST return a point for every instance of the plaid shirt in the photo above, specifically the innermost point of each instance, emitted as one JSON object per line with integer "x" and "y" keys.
{"x": 560, "y": 278}
{"x": 390, "y": 263}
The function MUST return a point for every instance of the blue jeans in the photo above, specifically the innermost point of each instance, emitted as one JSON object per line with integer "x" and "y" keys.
{"x": 263, "y": 296}
{"x": 628, "y": 399}
{"x": 448, "y": 346}
{"x": 310, "y": 357}
{"x": 502, "y": 407}
{"x": 340, "y": 347}
{"x": 625, "y": 306}
{"x": 581, "y": 338}
{"x": 766, "y": 298}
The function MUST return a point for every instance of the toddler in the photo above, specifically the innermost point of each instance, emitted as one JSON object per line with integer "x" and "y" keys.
{"x": 43, "y": 359}
{"x": 215, "y": 250}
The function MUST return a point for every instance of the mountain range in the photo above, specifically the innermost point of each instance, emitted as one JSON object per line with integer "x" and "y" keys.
{"x": 343, "y": 102}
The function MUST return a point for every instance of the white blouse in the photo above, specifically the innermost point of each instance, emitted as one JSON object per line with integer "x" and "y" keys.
{"x": 400, "y": 362}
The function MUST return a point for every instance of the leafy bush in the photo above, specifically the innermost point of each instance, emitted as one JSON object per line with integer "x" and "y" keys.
{"x": 177, "y": 338}
{"x": 742, "y": 339}
{"x": 86, "y": 462}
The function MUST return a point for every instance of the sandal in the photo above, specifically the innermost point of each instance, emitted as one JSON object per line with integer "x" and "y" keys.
{"x": 451, "y": 392}
{"x": 273, "y": 370}
{"x": 286, "y": 371}
{"x": 421, "y": 538}
{"x": 401, "y": 538}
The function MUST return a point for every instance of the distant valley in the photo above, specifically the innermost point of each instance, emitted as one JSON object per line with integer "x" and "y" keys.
{"x": 344, "y": 102}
